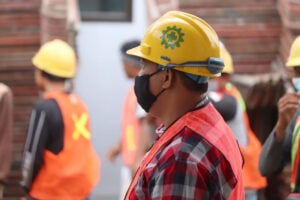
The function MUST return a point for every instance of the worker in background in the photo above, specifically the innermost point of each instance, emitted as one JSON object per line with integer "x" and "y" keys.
{"x": 239, "y": 123}
{"x": 137, "y": 127}
{"x": 196, "y": 155}
{"x": 59, "y": 159}
{"x": 6, "y": 134}
{"x": 282, "y": 145}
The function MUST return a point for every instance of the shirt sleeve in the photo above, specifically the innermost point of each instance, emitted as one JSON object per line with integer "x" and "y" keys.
{"x": 271, "y": 157}
{"x": 45, "y": 132}
{"x": 287, "y": 142}
{"x": 6, "y": 130}
{"x": 275, "y": 154}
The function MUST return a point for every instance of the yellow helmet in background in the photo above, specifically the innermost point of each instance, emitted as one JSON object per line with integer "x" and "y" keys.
{"x": 225, "y": 55}
{"x": 183, "y": 42}
{"x": 57, "y": 58}
{"x": 294, "y": 56}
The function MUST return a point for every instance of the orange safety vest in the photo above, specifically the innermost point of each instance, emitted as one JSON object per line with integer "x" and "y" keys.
{"x": 210, "y": 125}
{"x": 130, "y": 128}
{"x": 251, "y": 175}
{"x": 73, "y": 172}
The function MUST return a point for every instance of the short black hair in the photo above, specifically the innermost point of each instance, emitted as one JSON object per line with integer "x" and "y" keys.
{"x": 129, "y": 45}
{"x": 297, "y": 69}
{"x": 192, "y": 85}
{"x": 53, "y": 77}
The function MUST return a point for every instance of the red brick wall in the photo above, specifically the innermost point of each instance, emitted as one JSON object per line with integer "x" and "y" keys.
{"x": 289, "y": 12}
{"x": 25, "y": 24}
{"x": 19, "y": 39}
{"x": 249, "y": 29}
{"x": 59, "y": 19}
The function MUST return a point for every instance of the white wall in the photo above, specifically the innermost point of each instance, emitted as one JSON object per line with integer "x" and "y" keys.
{"x": 102, "y": 85}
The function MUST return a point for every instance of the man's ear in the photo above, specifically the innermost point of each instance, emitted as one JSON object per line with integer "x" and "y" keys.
{"x": 169, "y": 76}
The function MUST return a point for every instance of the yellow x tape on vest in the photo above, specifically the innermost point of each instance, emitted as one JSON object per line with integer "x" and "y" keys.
{"x": 130, "y": 138}
{"x": 80, "y": 128}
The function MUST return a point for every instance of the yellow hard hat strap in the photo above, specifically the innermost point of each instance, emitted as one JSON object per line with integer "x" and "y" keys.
{"x": 214, "y": 65}
{"x": 197, "y": 78}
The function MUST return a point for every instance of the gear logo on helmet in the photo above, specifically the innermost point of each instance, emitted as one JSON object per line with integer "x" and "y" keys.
{"x": 171, "y": 37}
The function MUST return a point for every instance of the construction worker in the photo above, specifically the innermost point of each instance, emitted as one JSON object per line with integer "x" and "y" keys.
{"x": 6, "y": 134}
{"x": 249, "y": 144}
{"x": 281, "y": 146}
{"x": 59, "y": 159}
{"x": 196, "y": 155}
{"x": 137, "y": 128}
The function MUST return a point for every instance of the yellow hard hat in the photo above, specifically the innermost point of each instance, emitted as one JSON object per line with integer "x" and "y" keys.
{"x": 183, "y": 42}
{"x": 57, "y": 58}
{"x": 294, "y": 57}
{"x": 225, "y": 55}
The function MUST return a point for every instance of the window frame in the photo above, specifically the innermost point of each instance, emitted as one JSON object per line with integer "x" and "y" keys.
{"x": 109, "y": 16}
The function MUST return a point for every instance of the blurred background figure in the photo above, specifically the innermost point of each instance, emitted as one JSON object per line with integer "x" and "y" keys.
{"x": 6, "y": 134}
{"x": 59, "y": 159}
{"x": 234, "y": 113}
{"x": 282, "y": 146}
{"x": 137, "y": 127}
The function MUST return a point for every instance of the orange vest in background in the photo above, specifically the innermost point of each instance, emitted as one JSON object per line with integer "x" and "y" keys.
{"x": 130, "y": 128}
{"x": 251, "y": 175}
{"x": 73, "y": 172}
{"x": 214, "y": 131}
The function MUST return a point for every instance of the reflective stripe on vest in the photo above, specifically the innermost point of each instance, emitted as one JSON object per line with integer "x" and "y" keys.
{"x": 251, "y": 174}
{"x": 73, "y": 172}
{"x": 295, "y": 155}
{"x": 130, "y": 128}
{"x": 224, "y": 141}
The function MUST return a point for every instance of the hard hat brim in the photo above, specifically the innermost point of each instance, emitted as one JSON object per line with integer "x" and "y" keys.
{"x": 136, "y": 51}
{"x": 143, "y": 53}
{"x": 293, "y": 63}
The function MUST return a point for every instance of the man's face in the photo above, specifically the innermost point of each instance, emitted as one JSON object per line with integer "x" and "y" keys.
{"x": 39, "y": 79}
{"x": 148, "y": 67}
{"x": 149, "y": 84}
{"x": 131, "y": 70}
{"x": 296, "y": 78}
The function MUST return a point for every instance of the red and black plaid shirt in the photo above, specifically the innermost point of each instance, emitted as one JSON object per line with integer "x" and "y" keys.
{"x": 188, "y": 167}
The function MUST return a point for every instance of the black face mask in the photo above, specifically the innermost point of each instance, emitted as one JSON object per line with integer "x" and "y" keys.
{"x": 141, "y": 88}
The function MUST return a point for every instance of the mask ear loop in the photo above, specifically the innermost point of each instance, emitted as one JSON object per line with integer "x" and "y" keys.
{"x": 167, "y": 76}
{"x": 157, "y": 71}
